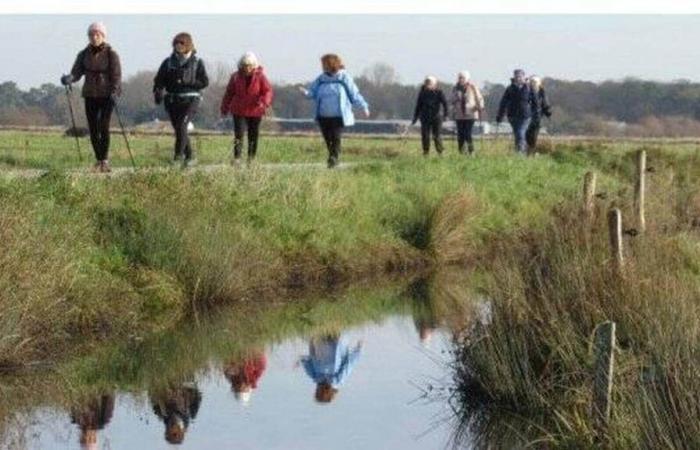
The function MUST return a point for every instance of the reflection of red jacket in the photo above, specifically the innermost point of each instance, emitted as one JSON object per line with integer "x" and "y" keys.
{"x": 249, "y": 370}
{"x": 247, "y": 97}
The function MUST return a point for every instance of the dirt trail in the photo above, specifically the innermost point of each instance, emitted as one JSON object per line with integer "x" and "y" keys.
{"x": 123, "y": 171}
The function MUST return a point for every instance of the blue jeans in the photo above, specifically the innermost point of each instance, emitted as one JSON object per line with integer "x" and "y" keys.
{"x": 519, "y": 131}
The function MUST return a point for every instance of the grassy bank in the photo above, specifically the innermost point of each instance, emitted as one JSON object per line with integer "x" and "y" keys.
{"x": 530, "y": 370}
{"x": 88, "y": 259}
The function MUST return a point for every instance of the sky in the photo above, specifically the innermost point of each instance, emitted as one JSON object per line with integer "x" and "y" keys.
{"x": 572, "y": 47}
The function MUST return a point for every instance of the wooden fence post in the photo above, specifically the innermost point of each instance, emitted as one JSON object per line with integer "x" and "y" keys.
{"x": 604, "y": 348}
{"x": 588, "y": 193}
{"x": 615, "y": 230}
{"x": 639, "y": 190}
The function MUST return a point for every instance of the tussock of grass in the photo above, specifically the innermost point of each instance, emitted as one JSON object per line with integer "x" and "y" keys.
{"x": 549, "y": 289}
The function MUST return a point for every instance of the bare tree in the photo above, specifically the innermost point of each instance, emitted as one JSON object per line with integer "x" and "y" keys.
{"x": 381, "y": 74}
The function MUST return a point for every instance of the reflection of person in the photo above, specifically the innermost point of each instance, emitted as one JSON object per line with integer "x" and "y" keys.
{"x": 176, "y": 407}
{"x": 424, "y": 315}
{"x": 92, "y": 416}
{"x": 329, "y": 363}
{"x": 245, "y": 374}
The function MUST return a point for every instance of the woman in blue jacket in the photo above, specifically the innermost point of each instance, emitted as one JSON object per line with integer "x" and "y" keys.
{"x": 335, "y": 94}
{"x": 518, "y": 103}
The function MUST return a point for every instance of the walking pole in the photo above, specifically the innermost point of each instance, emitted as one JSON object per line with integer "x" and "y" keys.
{"x": 72, "y": 119}
{"x": 126, "y": 140}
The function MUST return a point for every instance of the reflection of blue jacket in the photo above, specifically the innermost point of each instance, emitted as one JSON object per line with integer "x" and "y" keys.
{"x": 330, "y": 360}
{"x": 335, "y": 96}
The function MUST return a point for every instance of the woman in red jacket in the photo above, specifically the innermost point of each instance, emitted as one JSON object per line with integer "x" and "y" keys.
{"x": 248, "y": 95}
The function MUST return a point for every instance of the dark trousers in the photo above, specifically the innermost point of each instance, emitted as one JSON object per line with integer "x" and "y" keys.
{"x": 332, "y": 131}
{"x": 533, "y": 132}
{"x": 464, "y": 134}
{"x": 182, "y": 111}
{"x": 99, "y": 114}
{"x": 431, "y": 127}
{"x": 520, "y": 127}
{"x": 240, "y": 124}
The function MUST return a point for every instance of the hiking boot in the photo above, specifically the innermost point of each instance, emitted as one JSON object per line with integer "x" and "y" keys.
{"x": 97, "y": 167}
{"x": 104, "y": 166}
{"x": 332, "y": 162}
{"x": 471, "y": 149}
{"x": 188, "y": 163}
{"x": 236, "y": 161}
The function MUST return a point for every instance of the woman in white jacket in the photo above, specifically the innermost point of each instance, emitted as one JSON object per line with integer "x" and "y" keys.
{"x": 467, "y": 106}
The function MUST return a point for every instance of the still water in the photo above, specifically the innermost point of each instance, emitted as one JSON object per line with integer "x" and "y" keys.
{"x": 358, "y": 387}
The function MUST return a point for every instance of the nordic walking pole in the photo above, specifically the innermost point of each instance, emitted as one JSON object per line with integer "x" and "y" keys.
{"x": 126, "y": 140}
{"x": 72, "y": 119}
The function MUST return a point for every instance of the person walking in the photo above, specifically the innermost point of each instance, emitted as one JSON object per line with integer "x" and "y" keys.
{"x": 247, "y": 97}
{"x": 518, "y": 103}
{"x": 99, "y": 64}
{"x": 176, "y": 405}
{"x": 541, "y": 108}
{"x": 430, "y": 100}
{"x": 334, "y": 94}
{"x": 177, "y": 84}
{"x": 467, "y": 107}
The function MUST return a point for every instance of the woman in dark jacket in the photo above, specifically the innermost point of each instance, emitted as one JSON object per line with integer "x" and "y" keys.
{"x": 91, "y": 416}
{"x": 100, "y": 65}
{"x": 178, "y": 83}
{"x": 247, "y": 97}
{"x": 430, "y": 100}
{"x": 518, "y": 103}
{"x": 541, "y": 108}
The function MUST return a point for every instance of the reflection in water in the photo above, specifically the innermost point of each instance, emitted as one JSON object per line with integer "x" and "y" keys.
{"x": 270, "y": 338}
{"x": 176, "y": 406}
{"x": 245, "y": 374}
{"x": 90, "y": 416}
{"x": 328, "y": 364}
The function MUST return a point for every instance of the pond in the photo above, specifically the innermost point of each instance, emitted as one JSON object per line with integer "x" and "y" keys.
{"x": 357, "y": 370}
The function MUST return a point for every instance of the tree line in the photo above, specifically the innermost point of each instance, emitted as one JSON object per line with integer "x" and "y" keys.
{"x": 625, "y": 107}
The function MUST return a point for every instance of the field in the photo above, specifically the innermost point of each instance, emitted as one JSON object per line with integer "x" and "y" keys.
{"x": 89, "y": 260}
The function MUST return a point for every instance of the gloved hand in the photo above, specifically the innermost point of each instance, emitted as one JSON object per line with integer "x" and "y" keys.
{"x": 114, "y": 98}
{"x": 548, "y": 114}
{"x": 66, "y": 80}
{"x": 499, "y": 120}
{"x": 158, "y": 96}
{"x": 413, "y": 122}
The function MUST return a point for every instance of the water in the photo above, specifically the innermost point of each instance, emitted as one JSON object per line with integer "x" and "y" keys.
{"x": 378, "y": 405}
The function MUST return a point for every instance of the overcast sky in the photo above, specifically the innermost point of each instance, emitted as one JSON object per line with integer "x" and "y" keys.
{"x": 40, "y": 48}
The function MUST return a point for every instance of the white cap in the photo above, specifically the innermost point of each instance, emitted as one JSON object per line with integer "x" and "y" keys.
{"x": 248, "y": 59}
{"x": 243, "y": 397}
{"x": 465, "y": 74}
{"x": 431, "y": 79}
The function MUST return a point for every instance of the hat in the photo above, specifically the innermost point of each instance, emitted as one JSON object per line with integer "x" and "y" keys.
{"x": 98, "y": 27}
{"x": 465, "y": 74}
{"x": 430, "y": 79}
{"x": 248, "y": 59}
{"x": 243, "y": 397}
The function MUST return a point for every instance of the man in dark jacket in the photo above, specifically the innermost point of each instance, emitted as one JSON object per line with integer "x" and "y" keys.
{"x": 100, "y": 65}
{"x": 178, "y": 82}
{"x": 430, "y": 100}
{"x": 518, "y": 104}
{"x": 176, "y": 406}
{"x": 542, "y": 108}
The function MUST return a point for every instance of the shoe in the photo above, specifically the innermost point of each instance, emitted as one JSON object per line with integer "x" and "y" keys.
{"x": 104, "y": 166}
{"x": 97, "y": 167}
{"x": 236, "y": 161}
{"x": 187, "y": 163}
{"x": 332, "y": 162}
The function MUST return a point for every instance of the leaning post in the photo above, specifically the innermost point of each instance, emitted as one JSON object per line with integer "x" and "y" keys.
{"x": 604, "y": 347}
